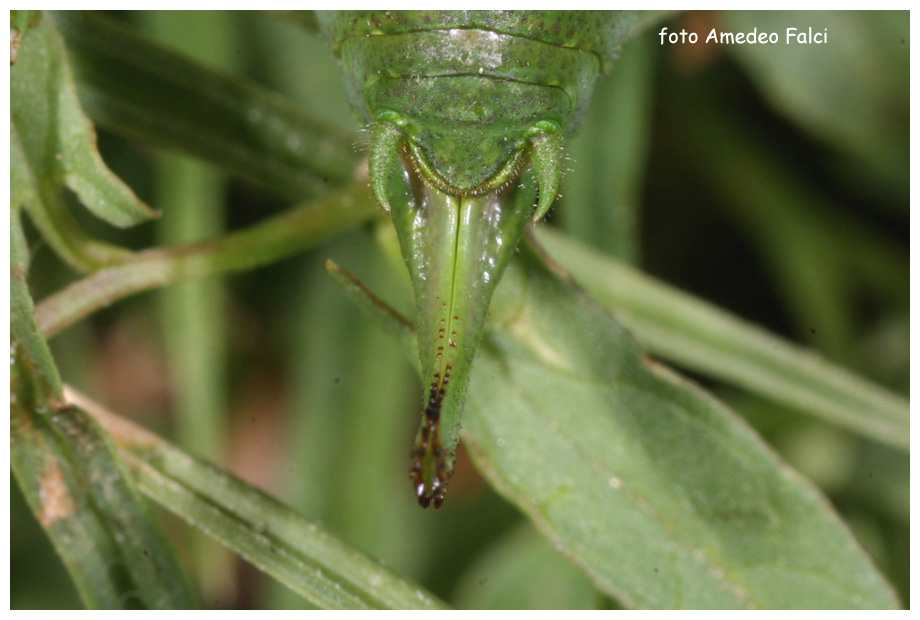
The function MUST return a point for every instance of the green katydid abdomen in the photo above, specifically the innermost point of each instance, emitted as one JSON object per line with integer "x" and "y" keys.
{"x": 467, "y": 101}
{"x": 471, "y": 141}
{"x": 467, "y": 112}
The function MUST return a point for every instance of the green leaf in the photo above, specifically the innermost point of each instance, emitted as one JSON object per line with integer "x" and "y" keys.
{"x": 115, "y": 551}
{"x": 20, "y": 22}
{"x": 72, "y": 478}
{"x": 706, "y": 339}
{"x": 522, "y": 570}
{"x": 297, "y": 552}
{"x": 658, "y": 492}
{"x": 24, "y": 331}
{"x": 53, "y": 145}
{"x": 137, "y": 88}
{"x": 661, "y": 494}
{"x": 194, "y": 336}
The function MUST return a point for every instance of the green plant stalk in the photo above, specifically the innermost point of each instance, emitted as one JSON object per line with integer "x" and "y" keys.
{"x": 192, "y": 314}
{"x": 368, "y": 458}
{"x": 297, "y": 552}
{"x": 278, "y": 237}
{"x": 192, "y": 317}
{"x": 690, "y": 332}
{"x": 193, "y": 323}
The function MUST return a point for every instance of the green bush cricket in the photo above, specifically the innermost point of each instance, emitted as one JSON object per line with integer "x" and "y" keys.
{"x": 467, "y": 112}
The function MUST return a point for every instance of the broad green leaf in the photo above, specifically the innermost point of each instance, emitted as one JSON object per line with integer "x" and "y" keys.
{"x": 661, "y": 494}
{"x": 522, "y": 570}
{"x": 688, "y": 331}
{"x": 72, "y": 478}
{"x": 20, "y": 22}
{"x": 53, "y": 145}
{"x": 137, "y": 88}
{"x": 297, "y": 552}
{"x": 273, "y": 239}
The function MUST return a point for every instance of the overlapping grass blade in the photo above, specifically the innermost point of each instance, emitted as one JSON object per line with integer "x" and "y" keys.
{"x": 297, "y": 552}
{"x": 114, "y": 549}
{"x": 690, "y": 332}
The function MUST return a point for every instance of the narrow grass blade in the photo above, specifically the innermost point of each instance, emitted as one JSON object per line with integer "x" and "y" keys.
{"x": 193, "y": 323}
{"x": 267, "y": 533}
{"x": 115, "y": 551}
{"x": 72, "y": 478}
{"x": 701, "y": 337}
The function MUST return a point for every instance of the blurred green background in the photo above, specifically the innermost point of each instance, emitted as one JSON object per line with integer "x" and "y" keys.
{"x": 770, "y": 180}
